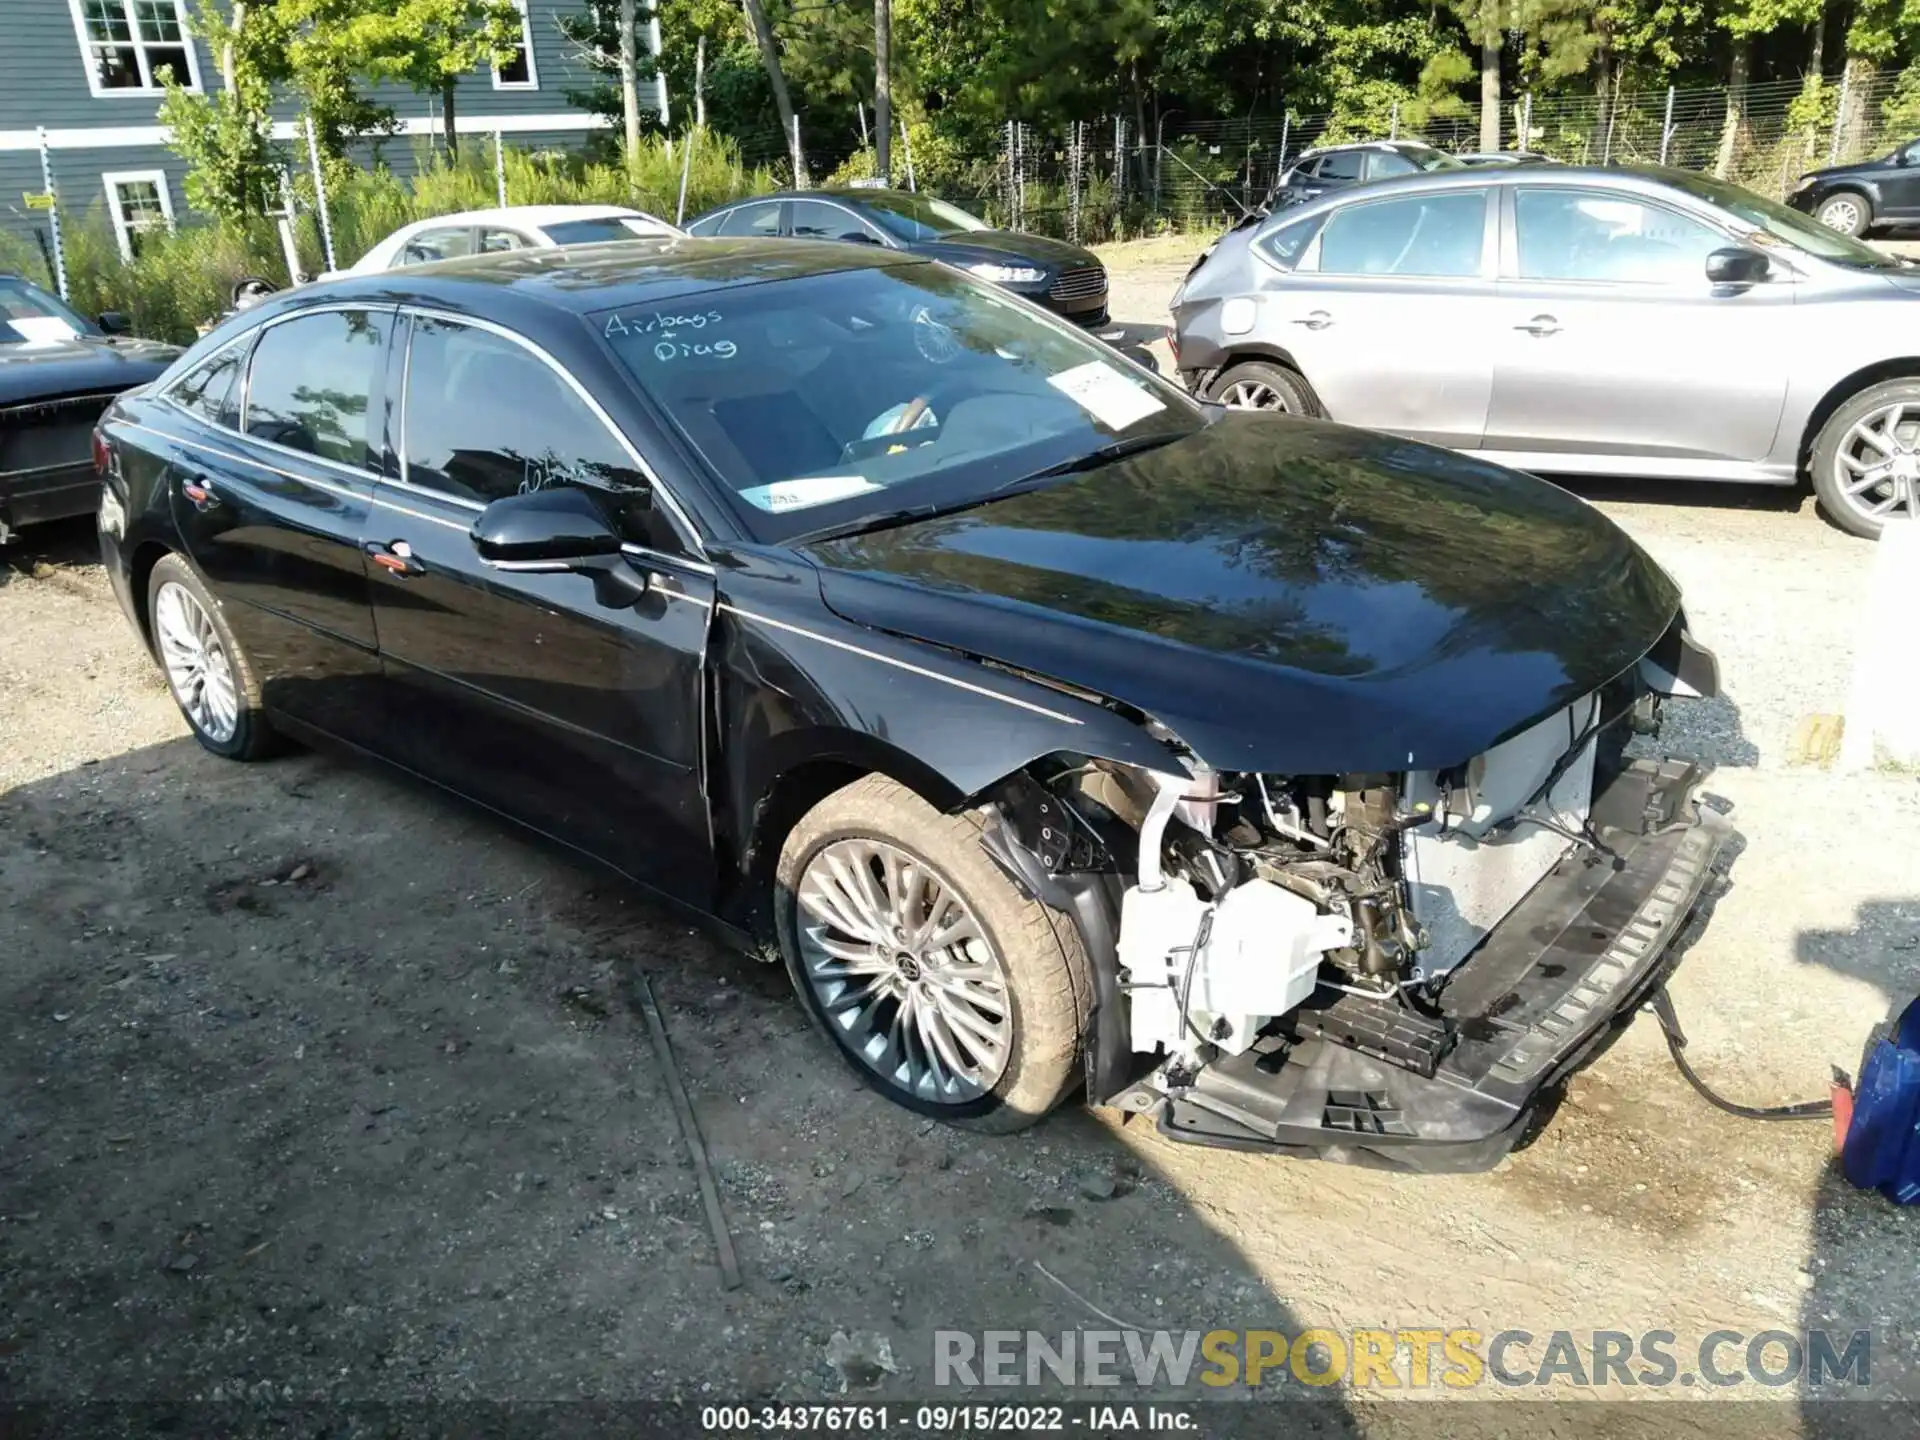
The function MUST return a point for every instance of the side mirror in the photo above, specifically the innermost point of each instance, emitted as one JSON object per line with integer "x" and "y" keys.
{"x": 558, "y": 530}
{"x": 1736, "y": 265}
{"x": 114, "y": 322}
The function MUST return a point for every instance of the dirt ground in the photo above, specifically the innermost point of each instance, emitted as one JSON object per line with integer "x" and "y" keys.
{"x": 317, "y": 1087}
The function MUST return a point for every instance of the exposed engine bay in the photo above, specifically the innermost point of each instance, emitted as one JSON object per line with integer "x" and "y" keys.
{"x": 1342, "y": 962}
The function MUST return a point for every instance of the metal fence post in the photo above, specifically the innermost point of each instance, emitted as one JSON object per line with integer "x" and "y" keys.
{"x": 1839, "y": 118}
{"x": 53, "y": 213}
{"x": 1666, "y": 127}
{"x": 320, "y": 195}
{"x": 1119, "y": 160}
{"x": 1393, "y": 122}
{"x": 1526, "y": 122}
{"x": 500, "y": 168}
{"x": 793, "y": 149}
{"x": 1613, "y": 113}
{"x": 906, "y": 149}
{"x": 686, "y": 167}
{"x": 1073, "y": 183}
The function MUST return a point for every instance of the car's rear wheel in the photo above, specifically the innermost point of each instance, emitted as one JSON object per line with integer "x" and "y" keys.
{"x": 209, "y": 674}
{"x": 1866, "y": 458}
{"x": 1264, "y": 385}
{"x": 1845, "y": 211}
{"x": 942, "y": 984}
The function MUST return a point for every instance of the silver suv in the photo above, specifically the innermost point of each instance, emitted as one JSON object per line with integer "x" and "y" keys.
{"x": 1573, "y": 320}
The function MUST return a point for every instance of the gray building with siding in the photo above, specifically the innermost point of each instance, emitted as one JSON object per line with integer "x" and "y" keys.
{"x": 85, "y": 75}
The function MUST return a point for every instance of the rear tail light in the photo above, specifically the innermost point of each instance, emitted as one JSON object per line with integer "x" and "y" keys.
{"x": 101, "y": 455}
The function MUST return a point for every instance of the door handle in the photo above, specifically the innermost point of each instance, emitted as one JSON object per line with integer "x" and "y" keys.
{"x": 1540, "y": 327}
{"x": 199, "y": 494}
{"x": 395, "y": 557}
{"x": 1315, "y": 320}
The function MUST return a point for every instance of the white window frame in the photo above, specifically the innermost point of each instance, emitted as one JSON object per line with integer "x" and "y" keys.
{"x": 148, "y": 86}
{"x": 113, "y": 180}
{"x": 532, "y": 82}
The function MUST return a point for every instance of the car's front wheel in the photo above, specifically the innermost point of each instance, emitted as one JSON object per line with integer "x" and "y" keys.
{"x": 1845, "y": 211}
{"x": 939, "y": 981}
{"x": 209, "y": 674}
{"x": 1263, "y": 385}
{"x": 1866, "y": 458}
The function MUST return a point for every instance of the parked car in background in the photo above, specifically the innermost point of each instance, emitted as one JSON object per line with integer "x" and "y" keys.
{"x": 1064, "y": 278}
{"x": 1335, "y": 167}
{"x": 58, "y": 371}
{"x": 514, "y": 227}
{"x": 1577, "y": 320}
{"x": 1505, "y": 157}
{"x": 1851, "y": 198}
{"x": 912, "y": 635}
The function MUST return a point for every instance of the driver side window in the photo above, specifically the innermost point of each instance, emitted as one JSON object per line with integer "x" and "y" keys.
{"x": 533, "y": 433}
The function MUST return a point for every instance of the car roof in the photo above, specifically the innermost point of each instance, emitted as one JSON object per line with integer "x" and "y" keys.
{"x": 1367, "y": 145}
{"x": 820, "y": 192}
{"x": 530, "y": 215}
{"x": 582, "y": 278}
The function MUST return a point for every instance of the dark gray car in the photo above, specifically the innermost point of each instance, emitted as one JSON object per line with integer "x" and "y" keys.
{"x": 1573, "y": 320}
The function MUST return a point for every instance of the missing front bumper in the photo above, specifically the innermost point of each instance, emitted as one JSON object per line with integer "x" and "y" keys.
{"x": 1568, "y": 964}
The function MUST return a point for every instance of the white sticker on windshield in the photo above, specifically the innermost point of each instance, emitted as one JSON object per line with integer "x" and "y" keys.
{"x": 42, "y": 329}
{"x": 1106, "y": 394}
{"x": 798, "y": 494}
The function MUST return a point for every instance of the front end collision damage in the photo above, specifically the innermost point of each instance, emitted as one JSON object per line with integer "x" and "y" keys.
{"x": 1440, "y": 1075}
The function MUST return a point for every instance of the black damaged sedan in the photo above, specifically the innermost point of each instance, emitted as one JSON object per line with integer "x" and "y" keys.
{"x": 1053, "y": 730}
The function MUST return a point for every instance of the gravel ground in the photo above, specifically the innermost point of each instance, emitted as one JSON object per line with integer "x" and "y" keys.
{"x": 317, "y": 1087}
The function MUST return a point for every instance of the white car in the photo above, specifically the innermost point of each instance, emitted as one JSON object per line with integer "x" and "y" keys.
{"x": 514, "y": 227}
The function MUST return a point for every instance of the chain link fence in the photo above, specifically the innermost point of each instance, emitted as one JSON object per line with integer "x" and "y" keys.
{"x": 1104, "y": 179}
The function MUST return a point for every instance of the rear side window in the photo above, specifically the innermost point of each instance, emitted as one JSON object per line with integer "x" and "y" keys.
{"x": 312, "y": 385}
{"x": 1341, "y": 165}
{"x": 437, "y": 245}
{"x": 207, "y": 390}
{"x": 1286, "y": 245}
{"x": 1436, "y": 236}
{"x": 762, "y": 219}
{"x": 534, "y": 431}
{"x": 493, "y": 242}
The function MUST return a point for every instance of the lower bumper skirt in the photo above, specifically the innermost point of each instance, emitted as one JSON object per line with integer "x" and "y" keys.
{"x": 1568, "y": 965}
{"x": 56, "y": 493}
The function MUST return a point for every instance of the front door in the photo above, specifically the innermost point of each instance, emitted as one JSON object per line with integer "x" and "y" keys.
{"x": 523, "y": 690}
{"x": 1900, "y": 184}
{"x": 1386, "y": 315}
{"x": 1612, "y": 341}
{"x": 272, "y": 511}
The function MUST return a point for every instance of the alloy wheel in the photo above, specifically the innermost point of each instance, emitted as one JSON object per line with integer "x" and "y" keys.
{"x": 903, "y": 971}
{"x": 1253, "y": 395}
{"x": 1876, "y": 470}
{"x": 1843, "y": 214}
{"x": 198, "y": 668}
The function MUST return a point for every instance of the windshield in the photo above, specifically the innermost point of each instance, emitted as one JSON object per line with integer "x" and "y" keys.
{"x": 836, "y": 399}
{"x": 607, "y": 227}
{"x": 1780, "y": 223}
{"x": 916, "y": 217}
{"x": 29, "y": 315}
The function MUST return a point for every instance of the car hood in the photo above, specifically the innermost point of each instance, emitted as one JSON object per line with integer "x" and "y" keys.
{"x": 1835, "y": 172}
{"x": 86, "y": 362}
{"x": 1003, "y": 247}
{"x": 1286, "y": 596}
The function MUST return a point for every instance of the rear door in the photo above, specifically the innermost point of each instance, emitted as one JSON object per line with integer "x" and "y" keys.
{"x": 521, "y": 689}
{"x": 271, "y": 510}
{"x": 1611, "y": 340}
{"x": 1386, "y": 314}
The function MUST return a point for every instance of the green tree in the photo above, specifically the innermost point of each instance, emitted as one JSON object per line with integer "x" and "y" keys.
{"x": 226, "y": 137}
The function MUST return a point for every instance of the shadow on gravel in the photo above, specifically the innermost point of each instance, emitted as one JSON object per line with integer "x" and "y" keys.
{"x": 320, "y": 1091}
{"x": 59, "y": 544}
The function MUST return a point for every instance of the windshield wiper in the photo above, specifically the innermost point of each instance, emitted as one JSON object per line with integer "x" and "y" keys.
{"x": 907, "y": 514}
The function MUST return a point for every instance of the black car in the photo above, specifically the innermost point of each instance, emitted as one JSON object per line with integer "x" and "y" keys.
{"x": 1850, "y": 198}
{"x": 58, "y": 371}
{"x": 1064, "y": 278}
{"x": 1050, "y": 726}
{"x": 1334, "y": 167}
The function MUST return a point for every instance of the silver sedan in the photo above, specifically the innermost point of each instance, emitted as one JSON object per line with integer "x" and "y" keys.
{"x": 1573, "y": 320}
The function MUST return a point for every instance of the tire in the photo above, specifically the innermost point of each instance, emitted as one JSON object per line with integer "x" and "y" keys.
{"x": 1839, "y": 459}
{"x": 235, "y": 728}
{"x": 1290, "y": 394}
{"x": 1847, "y": 211}
{"x": 1045, "y": 980}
